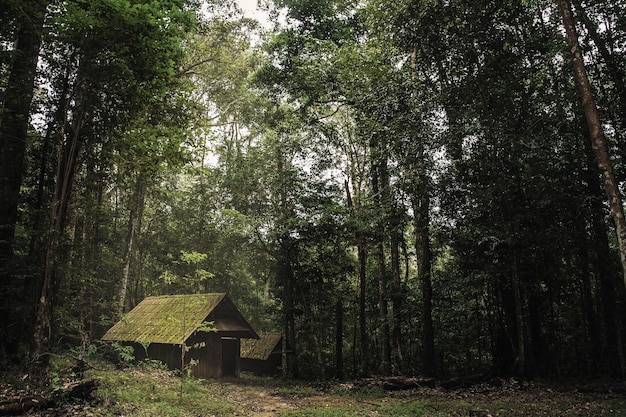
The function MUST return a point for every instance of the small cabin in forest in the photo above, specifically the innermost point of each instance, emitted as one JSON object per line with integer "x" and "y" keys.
{"x": 208, "y": 326}
{"x": 263, "y": 356}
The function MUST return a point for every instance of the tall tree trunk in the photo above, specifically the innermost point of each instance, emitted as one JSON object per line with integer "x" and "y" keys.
{"x": 339, "y": 340}
{"x": 284, "y": 365}
{"x": 396, "y": 296}
{"x": 289, "y": 316}
{"x": 615, "y": 69}
{"x": 314, "y": 325}
{"x": 47, "y": 174}
{"x": 66, "y": 170}
{"x": 420, "y": 202}
{"x": 14, "y": 121}
{"x": 90, "y": 258}
{"x": 378, "y": 180}
{"x": 383, "y": 311}
{"x": 362, "y": 255}
{"x": 585, "y": 265}
{"x": 285, "y": 271}
{"x": 601, "y": 263}
{"x": 520, "y": 359}
{"x": 362, "y": 260}
{"x": 137, "y": 203}
{"x": 595, "y": 130}
{"x": 421, "y": 207}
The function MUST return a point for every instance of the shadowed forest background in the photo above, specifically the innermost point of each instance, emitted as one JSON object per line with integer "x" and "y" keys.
{"x": 400, "y": 187}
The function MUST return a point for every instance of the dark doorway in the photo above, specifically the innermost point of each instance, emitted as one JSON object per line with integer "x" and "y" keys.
{"x": 230, "y": 357}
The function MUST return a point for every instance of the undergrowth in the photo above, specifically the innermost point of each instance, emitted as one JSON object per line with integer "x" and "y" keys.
{"x": 148, "y": 389}
{"x": 144, "y": 393}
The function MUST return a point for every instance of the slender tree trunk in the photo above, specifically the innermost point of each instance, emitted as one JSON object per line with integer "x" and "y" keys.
{"x": 383, "y": 311}
{"x": 378, "y": 176}
{"x": 285, "y": 271}
{"x": 591, "y": 319}
{"x": 420, "y": 201}
{"x": 362, "y": 255}
{"x": 339, "y": 340}
{"x": 612, "y": 359}
{"x": 134, "y": 225}
{"x": 290, "y": 321}
{"x": 284, "y": 366}
{"x": 585, "y": 264}
{"x": 614, "y": 68}
{"x": 520, "y": 360}
{"x": 362, "y": 260}
{"x": 317, "y": 345}
{"x": 14, "y": 121}
{"x": 90, "y": 258}
{"x": 421, "y": 208}
{"x": 396, "y": 296}
{"x": 595, "y": 130}
{"x": 66, "y": 170}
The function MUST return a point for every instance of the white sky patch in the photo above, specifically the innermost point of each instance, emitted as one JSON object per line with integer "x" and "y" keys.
{"x": 252, "y": 10}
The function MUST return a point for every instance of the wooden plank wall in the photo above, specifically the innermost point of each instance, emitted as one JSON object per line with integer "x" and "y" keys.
{"x": 208, "y": 357}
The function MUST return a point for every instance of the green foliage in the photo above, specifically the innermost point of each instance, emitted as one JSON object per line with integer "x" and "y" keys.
{"x": 206, "y": 326}
{"x": 322, "y": 412}
{"x": 152, "y": 365}
{"x": 213, "y": 158}
{"x": 145, "y": 394}
{"x": 412, "y": 408}
{"x": 126, "y": 353}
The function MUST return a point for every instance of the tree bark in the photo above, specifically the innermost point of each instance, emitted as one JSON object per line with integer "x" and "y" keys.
{"x": 396, "y": 296}
{"x": 314, "y": 324}
{"x": 612, "y": 359}
{"x": 339, "y": 340}
{"x": 520, "y": 334}
{"x": 614, "y": 68}
{"x": 66, "y": 170}
{"x": 421, "y": 208}
{"x": 596, "y": 133}
{"x": 285, "y": 271}
{"x": 420, "y": 202}
{"x": 378, "y": 181}
{"x": 362, "y": 260}
{"x": 362, "y": 255}
{"x": 80, "y": 390}
{"x": 14, "y": 121}
{"x": 134, "y": 225}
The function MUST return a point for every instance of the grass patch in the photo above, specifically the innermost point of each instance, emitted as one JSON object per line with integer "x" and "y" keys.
{"x": 146, "y": 390}
{"x": 411, "y": 409}
{"x": 297, "y": 391}
{"x": 330, "y": 411}
{"x": 144, "y": 393}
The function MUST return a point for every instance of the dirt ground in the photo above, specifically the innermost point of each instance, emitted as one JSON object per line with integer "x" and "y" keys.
{"x": 500, "y": 398}
{"x": 253, "y": 397}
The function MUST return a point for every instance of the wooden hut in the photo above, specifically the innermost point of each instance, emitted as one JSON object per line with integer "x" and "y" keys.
{"x": 208, "y": 326}
{"x": 263, "y": 356}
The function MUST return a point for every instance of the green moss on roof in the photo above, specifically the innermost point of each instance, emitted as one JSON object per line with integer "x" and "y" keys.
{"x": 260, "y": 348}
{"x": 167, "y": 319}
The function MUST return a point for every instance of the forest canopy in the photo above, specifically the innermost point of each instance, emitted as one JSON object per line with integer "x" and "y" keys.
{"x": 408, "y": 187}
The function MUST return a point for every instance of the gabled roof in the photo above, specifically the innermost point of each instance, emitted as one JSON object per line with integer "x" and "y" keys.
{"x": 172, "y": 319}
{"x": 263, "y": 347}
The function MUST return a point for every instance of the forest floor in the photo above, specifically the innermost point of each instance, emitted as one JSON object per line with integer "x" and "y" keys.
{"x": 152, "y": 392}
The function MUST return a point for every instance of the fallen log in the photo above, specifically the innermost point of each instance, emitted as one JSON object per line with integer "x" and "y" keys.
{"x": 465, "y": 382}
{"x": 396, "y": 383}
{"x": 80, "y": 390}
{"x": 75, "y": 390}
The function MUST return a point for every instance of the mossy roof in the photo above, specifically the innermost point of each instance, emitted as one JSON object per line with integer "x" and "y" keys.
{"x": 263, "y": 347}
{"x": 172, "y": 319}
